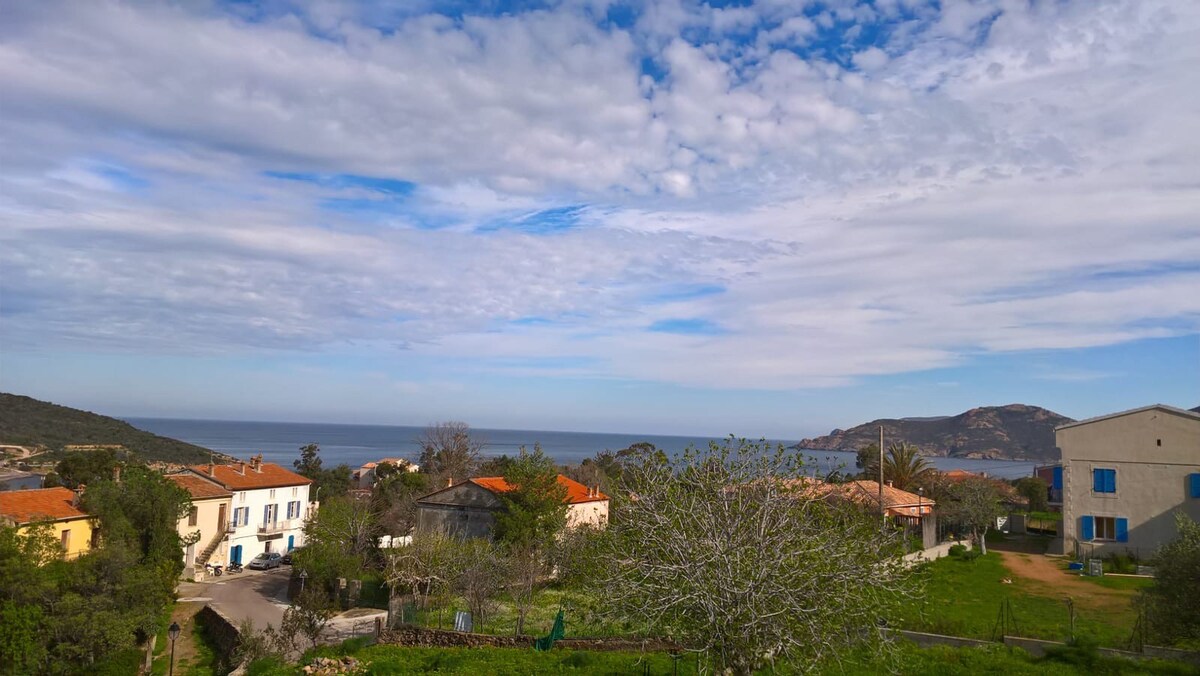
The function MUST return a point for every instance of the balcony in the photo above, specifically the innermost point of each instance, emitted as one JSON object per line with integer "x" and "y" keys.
{"x": 278, "y": 526}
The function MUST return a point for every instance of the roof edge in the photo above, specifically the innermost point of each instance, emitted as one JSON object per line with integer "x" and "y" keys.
{"x": 1141, "y": 409}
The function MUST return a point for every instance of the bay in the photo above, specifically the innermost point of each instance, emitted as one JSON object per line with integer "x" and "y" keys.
{"x": 354, "y": 445}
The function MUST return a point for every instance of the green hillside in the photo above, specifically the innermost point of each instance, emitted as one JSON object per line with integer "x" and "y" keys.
{"x": 25, "y": 421}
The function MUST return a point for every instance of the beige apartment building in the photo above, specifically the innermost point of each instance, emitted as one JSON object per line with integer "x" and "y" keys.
{"x": 1124, "y": 476}
{"x": 209, "y": 516}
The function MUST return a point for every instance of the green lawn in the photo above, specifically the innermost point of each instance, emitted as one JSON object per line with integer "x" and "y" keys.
{"x": 963, "y": 598}
{"x": 998, "y": 660}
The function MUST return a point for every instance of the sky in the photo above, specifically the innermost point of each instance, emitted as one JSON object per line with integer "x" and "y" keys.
{"x": 762, "y": 219}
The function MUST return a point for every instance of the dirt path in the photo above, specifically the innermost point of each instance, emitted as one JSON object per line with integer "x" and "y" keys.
{"x": 1043, "y": 575}
{"x": 185, "y": 647}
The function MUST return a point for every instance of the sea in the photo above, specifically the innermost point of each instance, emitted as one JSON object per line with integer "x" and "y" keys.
{"x": 354, "y": 445}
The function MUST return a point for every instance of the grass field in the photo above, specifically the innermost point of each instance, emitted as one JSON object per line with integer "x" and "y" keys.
{"x": 964, "y": 598}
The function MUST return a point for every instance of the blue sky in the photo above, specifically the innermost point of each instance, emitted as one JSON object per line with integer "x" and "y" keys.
{"x": 759, "y": 218}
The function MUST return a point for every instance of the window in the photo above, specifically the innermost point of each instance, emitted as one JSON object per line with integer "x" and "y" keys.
{"x": 66, "y": 539}
{"x": 293, "y": 509}
{"x": 295, "y": 490}
{"x": 1104, "y": 480}
{"x": 1194, "y": 485}
{"x": 241, "y": 516}
{"x": 242, "y": 496}
{"x": 272, "y": 495}
{"x": 270, "y": 513}
{"x": 1112, "y": 528}
{"x": 193, "y": 515}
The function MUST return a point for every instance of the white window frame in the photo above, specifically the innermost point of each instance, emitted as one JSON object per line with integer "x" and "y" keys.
{"x": 1106, "y": 534}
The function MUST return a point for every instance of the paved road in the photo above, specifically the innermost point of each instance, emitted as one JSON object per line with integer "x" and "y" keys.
{"x": 260, "y": 596}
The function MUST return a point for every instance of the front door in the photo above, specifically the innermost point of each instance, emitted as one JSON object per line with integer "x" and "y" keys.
{"x": 291, "y": 542}
{"x": 268, "y": 548}
{"x": 222, "y": 524}
{"x": 235, "y": 554}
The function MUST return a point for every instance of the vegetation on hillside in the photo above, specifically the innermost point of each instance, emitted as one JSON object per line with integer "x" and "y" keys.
{"x": 1015, "y": 431}
{"x": 25, "y": 421}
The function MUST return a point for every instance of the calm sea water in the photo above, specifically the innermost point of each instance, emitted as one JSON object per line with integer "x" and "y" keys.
{"x": 356, "y": 444}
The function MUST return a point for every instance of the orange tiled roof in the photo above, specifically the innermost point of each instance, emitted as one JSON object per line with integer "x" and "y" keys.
{"x": 576, "y": 492}
{"x": 271, "y": 476}
{"x": 198, "y": 487}
{"x": 892, "y": 497}
{"x": 39, "y": 504}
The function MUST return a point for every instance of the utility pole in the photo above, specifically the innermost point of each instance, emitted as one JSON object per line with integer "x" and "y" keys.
{"x": 882, "y": 509}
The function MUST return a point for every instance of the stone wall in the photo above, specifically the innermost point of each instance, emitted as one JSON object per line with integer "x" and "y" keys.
{"x": 223, "y": 633}
{"x": 413, "y": 636}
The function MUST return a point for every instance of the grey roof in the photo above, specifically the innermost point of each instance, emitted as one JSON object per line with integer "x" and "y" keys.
{"x": 1161, "y": 407}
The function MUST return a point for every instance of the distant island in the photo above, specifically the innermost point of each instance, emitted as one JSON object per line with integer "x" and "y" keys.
{"x": 1013, "y": 432}
{"x": 40, "y": 427}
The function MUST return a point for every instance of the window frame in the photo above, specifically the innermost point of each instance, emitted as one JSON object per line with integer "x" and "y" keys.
{"x": 1104, "y": 481}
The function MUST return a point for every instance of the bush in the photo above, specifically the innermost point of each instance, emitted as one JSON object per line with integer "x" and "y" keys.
{"x": 957, "y": 550}
{"x": 971, "y": 555}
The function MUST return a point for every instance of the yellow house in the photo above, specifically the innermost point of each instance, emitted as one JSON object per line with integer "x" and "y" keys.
{"x": 56, "y": 506}
{"x": 210, "y": 517}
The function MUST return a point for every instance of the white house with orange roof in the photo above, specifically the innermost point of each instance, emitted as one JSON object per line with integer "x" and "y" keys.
{"x": 468, "y": 509}
{"x": 365, "y": 476}
{"x": 269, "y": 506}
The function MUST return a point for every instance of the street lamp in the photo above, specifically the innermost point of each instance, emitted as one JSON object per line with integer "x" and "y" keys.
{"x": 303, "y": 577}
{"x": 173, "y": 633}
{"x": 921, "y": 515}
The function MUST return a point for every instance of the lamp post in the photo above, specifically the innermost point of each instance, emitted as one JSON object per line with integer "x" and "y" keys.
{"x": 921, "y": 515}
{"x": 173, "y": 633}
{"x": 303, "y": 577}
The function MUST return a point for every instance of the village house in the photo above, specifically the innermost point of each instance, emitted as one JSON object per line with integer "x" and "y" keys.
{"x": 57, "y": 507}
{"x": 1122, "y": 478}
{"x": 913, "y": 511}
{"x": 468, "y": 509}
{"x": 365, "y": 477}
{"x": 209, "y": 517}
{"x": 269, "y": 505}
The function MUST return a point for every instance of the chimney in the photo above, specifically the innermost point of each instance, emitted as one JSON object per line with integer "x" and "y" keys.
{"x": 78, "y": 497}
{"x": 242, "y": 468}
{"x": 116, "y": 474}
{"x": 258, "y": 463}
{"x": 212, "y": 469}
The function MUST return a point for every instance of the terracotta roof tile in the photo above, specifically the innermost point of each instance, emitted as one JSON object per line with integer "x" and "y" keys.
{"x": 577, "y": 493}
{"x": 271, "y": 476}
{"x": 198, "y": 487}
{"x": 39, "y": 504}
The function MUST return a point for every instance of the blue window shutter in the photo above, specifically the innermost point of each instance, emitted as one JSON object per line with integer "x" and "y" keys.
{"x": 1110, "y": 481}
{"x": 1122, "y": 530}
{"x": 1057, "y": 481}
{"x": 1098, "y": 480}
{"x": 1087, "y": 528}
{"x": 1194, "y": 480}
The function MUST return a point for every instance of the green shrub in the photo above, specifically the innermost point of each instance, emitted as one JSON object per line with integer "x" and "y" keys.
{"x": 957, "y": 550}
{"x": 971, "y": 555}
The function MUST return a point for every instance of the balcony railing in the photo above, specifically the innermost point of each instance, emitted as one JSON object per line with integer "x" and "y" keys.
{"x": 279, "y": 526}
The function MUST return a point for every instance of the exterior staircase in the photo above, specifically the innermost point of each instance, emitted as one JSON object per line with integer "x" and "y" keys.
{"x": 210, "y": 548}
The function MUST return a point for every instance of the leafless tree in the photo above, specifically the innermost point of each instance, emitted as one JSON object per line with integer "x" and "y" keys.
{"x": 482, "y": 571}
{"x": 426, "y": 567}
{"x": 449, "y": 451}
{"x": 304, "y": 619}
{"x": 528, "y": 572}
{"x": 730, "y": 551}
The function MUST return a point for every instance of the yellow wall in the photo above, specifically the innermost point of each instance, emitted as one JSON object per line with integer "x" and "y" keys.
{"x": 80, "y": 539}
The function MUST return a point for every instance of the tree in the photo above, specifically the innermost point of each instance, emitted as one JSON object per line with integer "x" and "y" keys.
{"x": 304, "y": 619}
{"x": 1170, "y": 604}
{"x": 397, "y": 495}
{"x": 481, "y": 574}
{"x": 535, "y": 509}
{"x": 449, "y": 452}
{"x": 729, "y": 551}
{"x": 329, "y": 483}
{"x": 341, "y": 541}
{"x": 427, "y": 566}
{"x": 528, "y": 571}
{"x": 867, "y": 460}
{"x": 1035, "y": 490}
{"x": 87, "y": 467}
{"x": 142, "y": 512}
{"x": 904, "y": 467}
{"x": 972, "y": 503}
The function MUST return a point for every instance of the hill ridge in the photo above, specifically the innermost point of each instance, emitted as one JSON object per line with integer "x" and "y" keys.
{"x": 1010, "y": 432}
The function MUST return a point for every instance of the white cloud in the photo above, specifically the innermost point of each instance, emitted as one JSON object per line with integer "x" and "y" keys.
{"x": 1034, "y": 190}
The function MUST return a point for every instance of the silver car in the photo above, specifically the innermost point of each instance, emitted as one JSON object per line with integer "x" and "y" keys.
{"x": 265, "y": 561}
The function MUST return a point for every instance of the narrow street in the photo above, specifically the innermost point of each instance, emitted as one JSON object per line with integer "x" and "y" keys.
{"x": 260, "y": 596}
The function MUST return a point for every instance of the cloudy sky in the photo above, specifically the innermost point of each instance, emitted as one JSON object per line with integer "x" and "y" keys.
{"x": 763, "y": 219}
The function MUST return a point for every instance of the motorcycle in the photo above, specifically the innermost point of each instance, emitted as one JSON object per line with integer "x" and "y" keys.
{"x": 234, "y": 568}
{"x": 214, "y": 570}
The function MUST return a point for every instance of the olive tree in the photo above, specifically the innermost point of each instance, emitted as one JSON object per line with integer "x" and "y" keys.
{"x": 731, "y": 550}
{"x": 973, "y": 503}
{"x": 1171, "y": 602}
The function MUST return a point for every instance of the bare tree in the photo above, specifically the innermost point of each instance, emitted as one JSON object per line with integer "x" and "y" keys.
{"x": 731, "y": 552}
{"x": 427, "y": 566}
{"x": 481, "y": 574}
{"x": 304, "y": 619}
{"x": 449, "y": 451}
{"x": 528, "y": 571}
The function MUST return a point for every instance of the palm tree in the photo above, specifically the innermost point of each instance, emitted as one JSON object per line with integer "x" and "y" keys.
{"x": 904, "y": 466}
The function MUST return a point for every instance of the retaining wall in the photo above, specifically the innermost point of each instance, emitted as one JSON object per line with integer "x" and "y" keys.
{"x": 413, "y": 636}
{"x": 223, "y": 633}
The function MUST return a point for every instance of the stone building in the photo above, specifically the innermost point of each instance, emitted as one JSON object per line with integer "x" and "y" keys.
{"x": 468, "y": 509}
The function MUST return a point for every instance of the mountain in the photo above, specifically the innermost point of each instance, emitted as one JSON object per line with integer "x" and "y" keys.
{"x": 25, "y": 421}
{"x": 1013, "y": 432}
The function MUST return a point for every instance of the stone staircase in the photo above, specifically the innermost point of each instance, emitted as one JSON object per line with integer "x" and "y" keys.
{"x": 212, "y": 547}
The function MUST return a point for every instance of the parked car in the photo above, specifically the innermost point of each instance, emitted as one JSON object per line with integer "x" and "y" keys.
{"x": 265, "y": 561}
{"x": 287, "y": 558}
